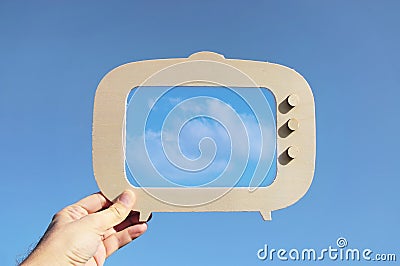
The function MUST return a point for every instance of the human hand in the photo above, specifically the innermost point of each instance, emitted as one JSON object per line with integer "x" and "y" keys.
{"x": 87, "y": 232}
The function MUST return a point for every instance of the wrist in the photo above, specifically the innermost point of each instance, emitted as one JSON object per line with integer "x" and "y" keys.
{"x": 45, "y": 255}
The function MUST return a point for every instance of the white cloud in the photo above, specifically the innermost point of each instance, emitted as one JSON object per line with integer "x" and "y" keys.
{"x": 190, "y": 137}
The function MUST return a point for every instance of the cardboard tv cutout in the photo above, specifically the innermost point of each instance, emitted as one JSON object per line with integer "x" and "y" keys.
{"x": 295, "y": 133}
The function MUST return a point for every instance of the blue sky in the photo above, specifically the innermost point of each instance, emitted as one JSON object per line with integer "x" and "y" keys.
{"x": 201, "y": 136}
{"x": 53, "y": 56}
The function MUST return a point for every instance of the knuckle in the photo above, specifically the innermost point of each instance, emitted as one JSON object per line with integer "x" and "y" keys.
{"x": 59, "y": 215}
{"x": 56, "y": 216}
{"x": 118, "y": 212}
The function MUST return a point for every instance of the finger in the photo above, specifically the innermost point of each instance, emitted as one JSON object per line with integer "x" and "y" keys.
{"x": 82, "y": 208}
{"x": 94, "y": 202}
{"x": 109, "y": 232}
{"x": 120, "y": 239}
{"x": 116, "y": 213}
{"x": 132, "y": 219}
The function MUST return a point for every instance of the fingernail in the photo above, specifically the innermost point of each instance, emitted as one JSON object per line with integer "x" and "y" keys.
{"x": 127, "y": 198}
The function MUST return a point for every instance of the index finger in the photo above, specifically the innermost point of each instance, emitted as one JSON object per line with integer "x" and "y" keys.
{"x": 94, "y": 202}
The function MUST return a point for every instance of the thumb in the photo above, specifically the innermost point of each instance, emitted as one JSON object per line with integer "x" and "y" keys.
{"x": 116, "y": 213}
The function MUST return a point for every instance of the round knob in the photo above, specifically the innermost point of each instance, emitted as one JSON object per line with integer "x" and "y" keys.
{"x": 293, "y": 151}
{"x": 293, "y": 100}
{"x": 293, "y": 124}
